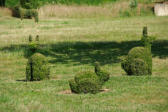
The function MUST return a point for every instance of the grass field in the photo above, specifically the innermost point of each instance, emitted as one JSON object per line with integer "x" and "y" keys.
{"x": 73, "y": 45}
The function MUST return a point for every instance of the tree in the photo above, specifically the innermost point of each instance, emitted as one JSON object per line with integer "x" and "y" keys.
{"x": 2, "y": 3}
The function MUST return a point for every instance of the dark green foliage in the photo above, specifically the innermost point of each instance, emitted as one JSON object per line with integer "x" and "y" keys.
{"x": 25, "y": 13}
{"x": 2, "y": 3}
{"x": 16, "y": 11}
{"x": 133, "y": 4}
{"x": 30, "y": 38}
{"x": 138, "y": 53}
{"x": 32, "y": 47}
{"x": 139, "y": 67}
{"x": 29, "y": 13}
{"x": 86, "y": 82}
{"x": 89, "y": 85}
{"x": 97, "y": 67}
{"x": 37, "y": 68}
{"x": 145, "y": 31}
{"x": 73, "y": 86}
{"x": 139, "y": 59}
{"x": 30, "y": 4}
{"x": 135, "y": 67}
{"x": 102, "y": 74}
{"x": 147, "y": 40}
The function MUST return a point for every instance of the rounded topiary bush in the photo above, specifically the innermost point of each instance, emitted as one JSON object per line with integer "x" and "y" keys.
{"x": 37, "y": 68}
{"x": 136, "y": 57}
{"x": 89, "y": 85}
{"x": 139, "y": 67}
{"x": 85, "y": 82}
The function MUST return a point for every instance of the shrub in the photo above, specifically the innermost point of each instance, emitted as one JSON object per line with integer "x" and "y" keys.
{"x": 136, "y": 67}
{"x": 139, "y": 67}
{"x": 32, "y": 49}
{"x": 139, "y": 59}
{"x": 25, "y": 13}
{"x": 30, "y": 38}
{"x": 138, "y": 53}
{"x": 30, "y": 4}
{"x": 29, "y": 14}
{"x": 147, "y": 40}
{"x": 37, "y": 38}
{"x": 102, "y": 74}
{"x": 37, "y": 68}
{"x": 86, "y": 82}
{"x": 133, "y": 4}
{"x": 89, "y": 85}
{"x": 73, "y": 86}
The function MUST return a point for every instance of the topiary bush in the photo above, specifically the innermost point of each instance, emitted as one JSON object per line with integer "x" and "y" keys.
{"x": 37, "y": 68}
{"x": 133, "y": 4}
{"x": 37, "y": 38}
{"x": 32, "y": 47}
{"x": 73, "y": 86}
{"x": 30, "y": 4}
{"x": 139, "y": 59}
{"x": 30, "y": 38}
{"x": 25, "y": 13}
{"x": 89, "y": 82}
{"x": 143, "y": 55}
{"x": 85, "y": 82}
{"x": 29, "y": 14}
{"x": 136, "y": 67}
{"x": 102, "y": 74}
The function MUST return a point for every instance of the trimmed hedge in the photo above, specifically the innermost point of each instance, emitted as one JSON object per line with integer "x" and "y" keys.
{"x": 25, "y": 13}
{"x": 138, "y": 56}
{"x": 85, "y": 82}
{"x": 139, "y": 59}
{"x": 37, "y": 68}
{"x": 89, "y": 82}
{"x": 102, "y": 74}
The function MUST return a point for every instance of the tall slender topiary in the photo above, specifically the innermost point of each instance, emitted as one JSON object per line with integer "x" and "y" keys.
{"x": 30, "y": 38}
{"x": 97, "y": 67}
{"x": 37, "y": 68}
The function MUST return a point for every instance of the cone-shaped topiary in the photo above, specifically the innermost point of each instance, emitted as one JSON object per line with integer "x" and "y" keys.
{"x": 37, "y": 68}
{"x": 85, "y": 82}
{"x": 102, "y": 74}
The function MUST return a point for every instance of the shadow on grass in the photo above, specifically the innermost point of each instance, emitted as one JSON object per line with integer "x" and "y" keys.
{"x": 22, "y": 80}
{"x": 89, "y": 52}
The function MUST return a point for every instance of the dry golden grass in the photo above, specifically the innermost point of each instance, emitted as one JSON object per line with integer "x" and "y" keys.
{"x": 5, "y": 12}
{"x": 108, "y": 10}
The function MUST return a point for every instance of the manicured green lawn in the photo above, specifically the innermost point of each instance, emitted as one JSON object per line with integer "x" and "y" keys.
{"x": 73, "y": 45}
